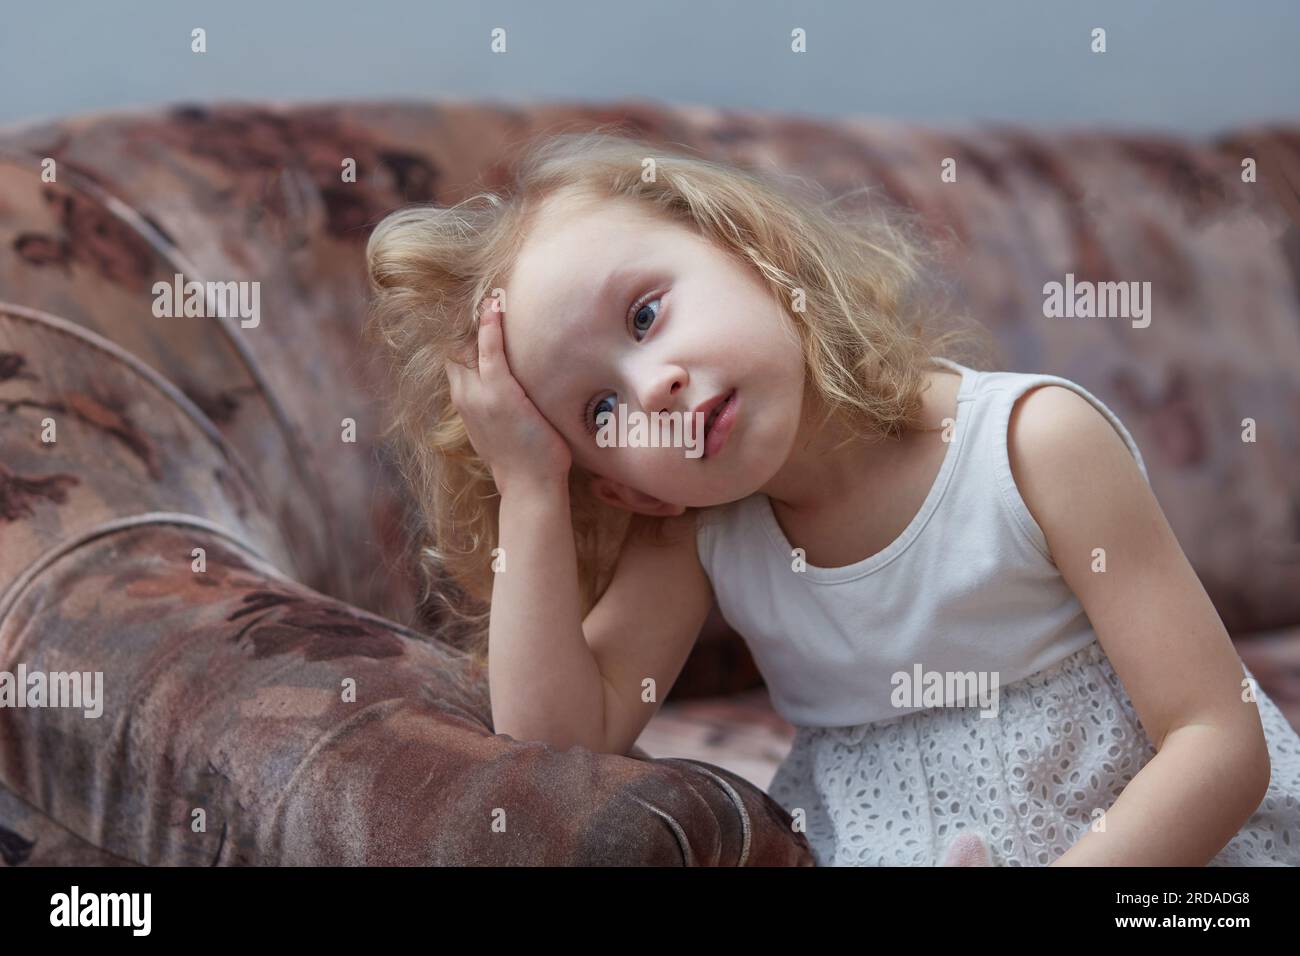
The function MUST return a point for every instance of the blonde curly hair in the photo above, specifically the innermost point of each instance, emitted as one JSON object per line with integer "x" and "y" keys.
{"x": 864, "y": 324}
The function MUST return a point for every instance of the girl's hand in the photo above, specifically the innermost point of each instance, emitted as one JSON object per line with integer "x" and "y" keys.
{"x": 507, "y": 431}
{"x": 968, "y": 848}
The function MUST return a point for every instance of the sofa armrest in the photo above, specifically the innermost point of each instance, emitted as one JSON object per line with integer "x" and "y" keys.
{"x": 245, "y": 719}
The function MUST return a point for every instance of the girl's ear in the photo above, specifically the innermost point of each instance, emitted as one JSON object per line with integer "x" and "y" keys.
{"x": 629, "y": 499}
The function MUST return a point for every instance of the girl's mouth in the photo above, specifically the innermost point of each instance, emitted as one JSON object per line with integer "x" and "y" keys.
{"x": 718, "y": 425}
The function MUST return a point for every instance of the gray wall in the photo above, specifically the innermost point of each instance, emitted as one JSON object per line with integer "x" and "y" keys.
{"x": 1194, "y": 65}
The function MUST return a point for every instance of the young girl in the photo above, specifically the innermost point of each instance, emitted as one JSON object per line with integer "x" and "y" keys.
{"x": 916, "y": 552}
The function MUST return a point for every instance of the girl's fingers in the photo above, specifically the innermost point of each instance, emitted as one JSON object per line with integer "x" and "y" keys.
{"x": 489, "y": 341}
{"x": 462, "y": 356}
{"x": 467, "y": 371}
{"x": 457, "y": 364}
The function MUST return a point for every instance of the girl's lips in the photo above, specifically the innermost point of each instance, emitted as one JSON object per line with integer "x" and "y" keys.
{"x": 716, "y": 434}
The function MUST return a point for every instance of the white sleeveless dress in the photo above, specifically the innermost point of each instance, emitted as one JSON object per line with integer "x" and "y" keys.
{"x": 968, "y": 587}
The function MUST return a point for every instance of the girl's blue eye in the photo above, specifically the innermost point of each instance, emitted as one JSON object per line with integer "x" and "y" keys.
{"x": 637, "y": 317}
{"x": 591, "y": 416}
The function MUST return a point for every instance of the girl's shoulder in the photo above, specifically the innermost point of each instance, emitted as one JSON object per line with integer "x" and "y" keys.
{"x": 1027, "y": 408}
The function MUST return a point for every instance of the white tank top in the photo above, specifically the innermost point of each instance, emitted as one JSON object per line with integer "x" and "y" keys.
{"x": 968, "y": 586}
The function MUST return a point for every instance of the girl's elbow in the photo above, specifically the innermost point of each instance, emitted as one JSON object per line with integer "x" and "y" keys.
{"x": 1244, "y": 752}
{"x": 1255, "y": 767}
{"x": 1263, "y": 773}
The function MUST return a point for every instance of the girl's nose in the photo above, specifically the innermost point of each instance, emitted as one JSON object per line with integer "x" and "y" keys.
{"x": 665, "y": 390}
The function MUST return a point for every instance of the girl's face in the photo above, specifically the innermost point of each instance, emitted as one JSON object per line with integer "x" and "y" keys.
{"x": 607, "y": 306}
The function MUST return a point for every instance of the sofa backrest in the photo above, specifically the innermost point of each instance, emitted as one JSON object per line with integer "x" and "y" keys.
{"x": 256, "y": 193}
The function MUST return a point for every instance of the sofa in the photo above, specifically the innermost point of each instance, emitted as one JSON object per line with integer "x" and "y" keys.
{"x": 202, "y": 510}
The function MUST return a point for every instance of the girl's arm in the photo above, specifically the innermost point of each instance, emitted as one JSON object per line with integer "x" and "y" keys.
{"x": 542, "y": 677}
{"x": 552, "y": 675}
{"x": 559, "y": 678}
{"x": 643, "y": 627}
{"x": 1158, "y": 627}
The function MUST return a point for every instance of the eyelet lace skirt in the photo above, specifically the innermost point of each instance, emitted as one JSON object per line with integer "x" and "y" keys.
{"x": 1030, "y": 780}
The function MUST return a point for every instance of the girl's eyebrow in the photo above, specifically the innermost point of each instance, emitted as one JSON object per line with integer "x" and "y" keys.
{"x": 612, "y": 283}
